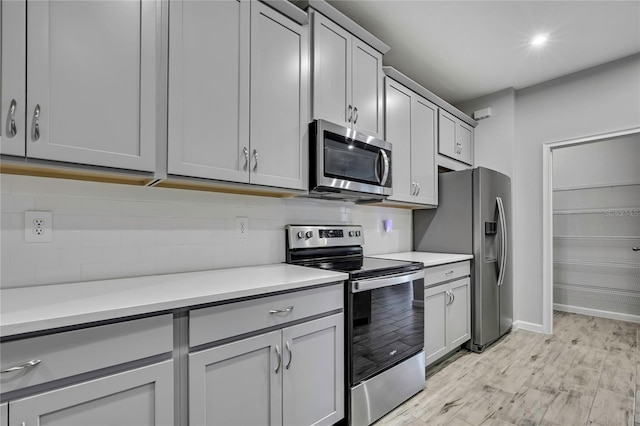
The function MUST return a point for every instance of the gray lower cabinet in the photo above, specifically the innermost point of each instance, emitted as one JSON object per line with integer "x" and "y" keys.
{"x": 142, "y": 396}
{"x": 292, "y": 376}
{"x": 447, "y": 308}
{"x": 114, "y": 374}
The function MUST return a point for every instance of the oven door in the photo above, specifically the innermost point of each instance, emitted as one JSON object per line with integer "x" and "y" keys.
{"x": 385, "y": 324}
{"x": 346, "y": 160}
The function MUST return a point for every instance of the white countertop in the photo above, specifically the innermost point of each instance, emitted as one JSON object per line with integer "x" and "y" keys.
{"x": 24, "y": 310}
{"x": 428, "y": 258}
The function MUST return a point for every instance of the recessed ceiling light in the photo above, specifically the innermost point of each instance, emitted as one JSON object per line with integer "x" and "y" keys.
{"x": 539, "y": 40}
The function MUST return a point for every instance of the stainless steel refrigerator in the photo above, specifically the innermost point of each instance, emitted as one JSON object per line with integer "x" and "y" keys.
{"x": 474, "y": 217}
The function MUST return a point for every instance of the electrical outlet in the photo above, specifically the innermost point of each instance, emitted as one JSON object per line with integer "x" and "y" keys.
{"x": 38, "y": 227}
{"x": 242, "y": 227}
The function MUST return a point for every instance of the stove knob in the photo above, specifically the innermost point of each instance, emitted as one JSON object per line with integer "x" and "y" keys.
{"x": 358, "y": 233}
{"x": 351, "y": 233}
{"x": 309, "y": 234}
{"x": 300, "y": 235}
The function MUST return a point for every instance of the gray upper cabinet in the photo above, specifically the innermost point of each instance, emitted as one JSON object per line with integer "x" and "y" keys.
{"x": 209, "y": 89}
{"x": 142, "y": 396}
{"x": 411, "y": 127}
{"x": 347, "y": 78}
{"x": 13, "y": 78}
{"x": 238, "y": 93}
{"x": 455, "y": 138}
{"x": 279, "y": 99}
{"x": 91, "y": 82}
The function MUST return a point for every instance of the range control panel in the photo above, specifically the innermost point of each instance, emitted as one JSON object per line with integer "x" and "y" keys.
{"x": 302, "y": 236}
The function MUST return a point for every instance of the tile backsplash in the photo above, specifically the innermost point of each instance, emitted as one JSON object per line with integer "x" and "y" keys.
{"x": 103, "y": 231}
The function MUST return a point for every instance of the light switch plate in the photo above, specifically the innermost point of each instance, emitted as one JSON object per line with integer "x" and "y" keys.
{"x": 38, "y": 227}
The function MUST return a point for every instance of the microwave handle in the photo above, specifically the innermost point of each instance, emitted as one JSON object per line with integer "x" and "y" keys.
{"x": 385, "y": 162}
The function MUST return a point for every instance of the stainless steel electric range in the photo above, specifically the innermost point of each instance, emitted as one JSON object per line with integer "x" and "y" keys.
{"x": 384, "y": 317}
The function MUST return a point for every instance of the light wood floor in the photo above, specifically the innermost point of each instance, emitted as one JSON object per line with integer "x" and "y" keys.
{"x": 587, "y": 372}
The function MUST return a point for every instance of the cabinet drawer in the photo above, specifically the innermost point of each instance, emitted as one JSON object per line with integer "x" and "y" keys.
{"x": 448, "y": 272}
{"x": 220, "y": 322}
{"x": 75, "y": 352}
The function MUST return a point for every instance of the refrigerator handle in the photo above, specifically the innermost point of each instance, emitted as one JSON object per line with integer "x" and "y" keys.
{"x": 503, "y": 242}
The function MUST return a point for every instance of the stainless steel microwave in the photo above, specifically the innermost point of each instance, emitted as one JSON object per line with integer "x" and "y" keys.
{"x": 348, "y": 165}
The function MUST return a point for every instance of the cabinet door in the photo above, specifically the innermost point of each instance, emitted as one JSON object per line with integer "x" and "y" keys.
{"x": 398, "y": 132}
{"x": 464, "y": 143}
{"x": 13, "y": 50}
{"x": 423, "y": 151}
{"x": 446, "y": 134}
{"x": 237, "y": 383}
{"x": 459, "y": 313}
{"x": 331, "y": 71}
{"x": 367, "y": 83}
{"x": 91, "y": 78}
{"x": 143, "y": 396}
{"x": 4, "y": 414}
{"x": 279, "y": 97}
{"x": 313, "y": 381}
{"x": 435, "y": 322}
{"x": 209, "y": 89}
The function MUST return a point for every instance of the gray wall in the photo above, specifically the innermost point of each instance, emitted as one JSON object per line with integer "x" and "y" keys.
{"x": 595, "y": 101}
{"x": 494, "y": 136}
{"x": 599, "y": 100}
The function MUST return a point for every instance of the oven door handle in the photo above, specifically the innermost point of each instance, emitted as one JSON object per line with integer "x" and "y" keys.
{"x": 373, "y": 283}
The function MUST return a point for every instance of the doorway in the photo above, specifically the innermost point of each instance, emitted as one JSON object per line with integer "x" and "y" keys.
{"x": 591, "y": 226}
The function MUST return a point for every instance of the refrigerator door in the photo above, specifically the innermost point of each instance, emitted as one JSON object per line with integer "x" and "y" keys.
{"x": 506, "y": 287}
{"x": 486, "y": 240}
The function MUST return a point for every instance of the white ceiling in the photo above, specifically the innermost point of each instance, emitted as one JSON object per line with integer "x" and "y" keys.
{"x": 464, "y": 49}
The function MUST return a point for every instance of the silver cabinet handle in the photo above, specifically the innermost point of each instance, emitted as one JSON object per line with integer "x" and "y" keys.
{"x": 449, "y": 272}
{"x": 281, "y": 311}
{"x": 636, "y": 249}
{"x": 290, "y": 355}
{"x": 418, "y": 185}
{"x": 355, "y": 113}
{"x": 349, "y": 113}
{"x": 255, "y": 156}
{"x": 458, "y": 148}
{"x": 35, "y": 132}
{"x": 279, "y": 359}
{"x": 245, "y": 151}
{"x": 448, "y": 293}
{"x": 11, "y": 120}
{"x": 413, "y": 188}
{"x": 28, "y": 364}
{"x": 453, "y": 297}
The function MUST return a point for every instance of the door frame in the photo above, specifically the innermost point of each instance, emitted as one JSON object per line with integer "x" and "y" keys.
{"x": 547, "y": 214}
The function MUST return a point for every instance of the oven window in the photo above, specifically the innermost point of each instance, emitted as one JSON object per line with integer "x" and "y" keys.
{"x": 387, "y": 326}
{"x": 350, "y": 161}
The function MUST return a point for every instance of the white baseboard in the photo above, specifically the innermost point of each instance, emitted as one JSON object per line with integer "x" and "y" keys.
{"x": 596, "y": 313}
{"x": 529, "y": 326}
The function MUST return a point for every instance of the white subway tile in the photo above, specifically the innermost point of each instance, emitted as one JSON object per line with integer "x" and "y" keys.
{"x": 17, "y": 203}
{"x": 100, "y": 271}
{"x": 30, "y": 257}
{"x": 59, "y": 274}
{"x": 17, "y": 277}
{"x": 80, "y": 256}
{"x": 101, "y": 238}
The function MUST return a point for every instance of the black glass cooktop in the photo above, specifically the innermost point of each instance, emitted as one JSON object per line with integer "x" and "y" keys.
{"x": 366, "y": 267}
